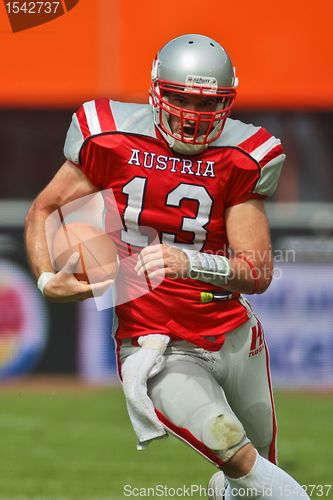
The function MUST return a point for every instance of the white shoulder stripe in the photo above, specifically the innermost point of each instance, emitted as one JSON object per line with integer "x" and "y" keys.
{"x": 92, "y": 117}
{"x": 265, "y": 148}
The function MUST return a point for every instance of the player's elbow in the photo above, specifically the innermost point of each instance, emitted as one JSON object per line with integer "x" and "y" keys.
{"x": 262, "y": 286}
{"x": 264, "y": 279}
{"x": 30, "y": 215}
{"x": 38, "y": 208}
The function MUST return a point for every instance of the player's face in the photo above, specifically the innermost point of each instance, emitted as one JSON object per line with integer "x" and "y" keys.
{"x": 190, "y": 103}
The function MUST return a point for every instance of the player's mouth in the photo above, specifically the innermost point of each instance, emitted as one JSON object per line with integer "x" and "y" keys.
{"x": 189, "y": 131}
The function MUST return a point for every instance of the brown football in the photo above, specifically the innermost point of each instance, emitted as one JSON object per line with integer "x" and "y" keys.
{"x": 98, "y": 253}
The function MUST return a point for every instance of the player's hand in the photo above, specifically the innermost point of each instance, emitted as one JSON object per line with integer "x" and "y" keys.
{"x": 64, "y": 287}
{"x": 162, "y": 260}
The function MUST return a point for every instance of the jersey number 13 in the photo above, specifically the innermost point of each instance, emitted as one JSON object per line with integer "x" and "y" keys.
{"x": 135, "y": 190}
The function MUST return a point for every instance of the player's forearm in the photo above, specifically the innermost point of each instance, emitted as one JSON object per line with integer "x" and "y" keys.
{"x": 248, "y": 278}
{"x": 238, "y": 274}
{"x": 35, "y": 240}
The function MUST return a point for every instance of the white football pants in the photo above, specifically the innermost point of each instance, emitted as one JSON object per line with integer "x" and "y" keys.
{"x": 217, "y": 401}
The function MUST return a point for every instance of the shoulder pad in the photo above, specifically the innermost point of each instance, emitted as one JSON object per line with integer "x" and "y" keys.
{"x": 234, "y": 133}
{"x": 261, "y": 146}
{"x": 102, "y": 116}
{"x": 133, "y": 118}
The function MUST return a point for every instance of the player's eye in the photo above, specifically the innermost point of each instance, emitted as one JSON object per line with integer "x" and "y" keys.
{"x": 209, "y": 105}
{"x": 180, "y": 101}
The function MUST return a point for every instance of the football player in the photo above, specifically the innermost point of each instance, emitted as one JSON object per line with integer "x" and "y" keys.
{"x": 181, "y": 166}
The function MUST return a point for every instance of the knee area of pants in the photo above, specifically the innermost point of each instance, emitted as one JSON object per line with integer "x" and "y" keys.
{"x": 222, "y": 433}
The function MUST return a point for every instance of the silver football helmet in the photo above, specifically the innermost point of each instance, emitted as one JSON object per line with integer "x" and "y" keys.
{"x": 194, "y": 65}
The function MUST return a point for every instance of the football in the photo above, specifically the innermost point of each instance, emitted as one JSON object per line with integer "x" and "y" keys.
{"x": 98, "y": 253}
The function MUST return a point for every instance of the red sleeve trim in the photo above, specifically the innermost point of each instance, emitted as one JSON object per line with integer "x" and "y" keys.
{"x": 246, "y": 197}
{"x": 273, "y": 153}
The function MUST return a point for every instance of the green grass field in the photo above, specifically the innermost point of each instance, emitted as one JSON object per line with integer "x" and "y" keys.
{"x": 79, "y": 445}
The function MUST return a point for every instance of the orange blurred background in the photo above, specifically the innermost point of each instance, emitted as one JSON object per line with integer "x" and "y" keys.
{"x": 282, "y": 51}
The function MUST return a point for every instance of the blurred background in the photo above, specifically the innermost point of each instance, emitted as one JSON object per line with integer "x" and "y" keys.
{"x": 283, "y": 56}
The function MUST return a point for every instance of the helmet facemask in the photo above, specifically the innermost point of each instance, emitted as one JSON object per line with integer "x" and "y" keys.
{"x": 196, "y": 128}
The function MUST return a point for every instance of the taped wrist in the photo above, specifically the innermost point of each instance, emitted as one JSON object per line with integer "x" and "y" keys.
{"x": 43, "y": 279}
{"x": 207, "y": 266}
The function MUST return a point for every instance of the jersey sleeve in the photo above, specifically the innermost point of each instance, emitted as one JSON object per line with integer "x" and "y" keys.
{"x": 257, "y": 168}
{"x": 92, "y": 119}
{"x": 269, "y": 175}
{"x": 77, "y": 133}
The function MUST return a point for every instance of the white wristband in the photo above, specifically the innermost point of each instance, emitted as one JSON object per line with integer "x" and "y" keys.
{"x": 43, "y": 279}
{"x": 203, "y": 265}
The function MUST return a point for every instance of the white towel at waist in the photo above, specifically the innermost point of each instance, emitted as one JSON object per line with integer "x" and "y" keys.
{"x": 136, "y": 370}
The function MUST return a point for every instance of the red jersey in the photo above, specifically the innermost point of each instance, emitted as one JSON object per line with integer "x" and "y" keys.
{"x": 183, "y": 198}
